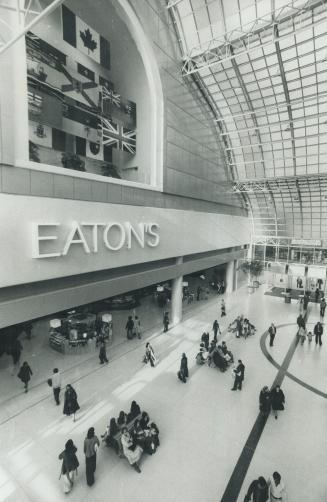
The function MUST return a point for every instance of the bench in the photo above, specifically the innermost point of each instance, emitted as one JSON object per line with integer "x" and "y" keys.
{"x": 117, "y": 436}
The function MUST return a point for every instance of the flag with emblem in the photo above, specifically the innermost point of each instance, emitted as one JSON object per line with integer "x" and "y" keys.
{"x": 94, "y": 150}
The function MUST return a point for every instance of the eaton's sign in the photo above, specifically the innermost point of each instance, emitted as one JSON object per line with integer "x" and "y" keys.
{"x": 51, "y": 240}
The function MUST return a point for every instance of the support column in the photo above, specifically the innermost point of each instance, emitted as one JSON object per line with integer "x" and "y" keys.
{"x": 177, "y": 296}
{"x": 231, "y": 276}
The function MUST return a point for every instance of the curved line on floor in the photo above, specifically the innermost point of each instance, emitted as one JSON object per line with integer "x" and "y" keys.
{"x": 278, "y": 366}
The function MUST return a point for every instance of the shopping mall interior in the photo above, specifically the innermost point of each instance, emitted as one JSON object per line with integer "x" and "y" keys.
{"x": 163, "y": 193}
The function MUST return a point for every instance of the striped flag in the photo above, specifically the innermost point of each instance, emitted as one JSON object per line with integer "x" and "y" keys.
{"x": 80, "y": 35}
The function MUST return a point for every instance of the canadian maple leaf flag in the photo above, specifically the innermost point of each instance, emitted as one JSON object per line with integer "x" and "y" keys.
{"x": 80, "y": 35}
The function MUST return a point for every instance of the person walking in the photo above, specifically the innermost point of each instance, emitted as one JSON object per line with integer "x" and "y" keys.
{"x": 257, "y": 491}
{"x": 302, "y": 334}
{"x": 129, "y": 328}
{"x": 103, "y": 353}
{"x": 318, "y": 331}
{"x": 91, "y": 446}
{"x": 56, "y": 385}
{"x": 183, "y": 372}
{"x": 277, "y": 400}
{"x": 70, "y": 402}
{"x": 16, "y": 351}
{"x": 216, "y": 328}
{"x": 272, "y": 333}
{"x": 223, "y": 308}
{"x": 137, "y": 327}
{"x": 69, "y": 465}
{"x": 322, "y": 306}
{"x": 25, "y": 374}
{"x": 265, "y": 401}
{"x": 317, "y": 294}
{"x": 149, "y": 355}
{"x": 239, "y": 376}
{"x": 300, "y": 321}
{"x": 277, "y": 488}
{"x": 166, "y": 322}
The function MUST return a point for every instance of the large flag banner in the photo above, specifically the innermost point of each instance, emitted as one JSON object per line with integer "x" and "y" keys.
{"x": 117, "y": 136}
{"x": 80, "y": 35}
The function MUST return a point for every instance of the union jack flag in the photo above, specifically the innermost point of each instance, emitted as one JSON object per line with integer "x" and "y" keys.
{"x": 111, "y": 96}
{"x": 117, "y": 136}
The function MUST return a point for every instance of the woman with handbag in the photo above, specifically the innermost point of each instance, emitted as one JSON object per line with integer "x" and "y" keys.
{"x": 91, "y": 446}
{"x": 69, "y": 465}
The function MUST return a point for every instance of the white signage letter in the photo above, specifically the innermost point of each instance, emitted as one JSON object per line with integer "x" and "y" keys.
{"x": 122, "y": 237}
{"x": 37, "y": 238}
{"x": 94, "y": 233}
{"x": 76, "y": 229}
{"x": 153, "y": 230}
{"x": 131, "y": 231}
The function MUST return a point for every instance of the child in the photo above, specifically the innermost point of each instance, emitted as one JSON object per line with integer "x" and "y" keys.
{"x": 309, "y": 337}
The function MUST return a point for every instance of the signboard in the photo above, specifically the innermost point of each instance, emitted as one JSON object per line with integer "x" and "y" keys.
{"x": 47, "y": 238}
{"x": 306, "y": 242}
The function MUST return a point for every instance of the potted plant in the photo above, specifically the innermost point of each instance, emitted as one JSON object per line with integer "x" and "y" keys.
{"x": 253, "y": 268}
{"x": 72, "y": 161}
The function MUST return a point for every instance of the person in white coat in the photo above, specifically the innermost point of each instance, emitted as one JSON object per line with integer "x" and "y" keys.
{"x": 277, "y": 489}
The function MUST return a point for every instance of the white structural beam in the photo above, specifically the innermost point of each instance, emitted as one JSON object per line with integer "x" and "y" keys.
{"x": 218, "y": 51}
{"x": 19, "y": 32}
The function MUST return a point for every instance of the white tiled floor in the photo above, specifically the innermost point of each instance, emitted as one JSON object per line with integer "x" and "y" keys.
{"x": 203, "y": 426}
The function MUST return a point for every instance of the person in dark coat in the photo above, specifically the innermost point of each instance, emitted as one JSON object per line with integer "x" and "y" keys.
{"x": 16, "y": 351}
{"x": 134, "y": 412}
{"x": 272, "y": 333}
{"x": 25, "y": 374}
{"x": 300, "y": 321}
{"x": 69, "y": 465}
{"x": 318, "y": 331}
{"x": 223, "y": 308}
{"x": 166, "y": 322}
{"x": 129, "y": 328}
{"x": 215, "y": 328}
{"x": 109, "y": 436}
{"x": 265, "y": 401}
{"x": 258, "y": 491}
{"x": 239, "y": 376}
{"x": 306, "y": 299}
{"x": 205, "y": 339}
{"x": 103, "y": 353}
{"x": 317, "y": 294}
{"x": 183, "y": 372}
{"x": 277, "y": 400}
{"x": 322, "y": 307}
{"x": 91, "y": 446}
{"x": 70, "y": 401}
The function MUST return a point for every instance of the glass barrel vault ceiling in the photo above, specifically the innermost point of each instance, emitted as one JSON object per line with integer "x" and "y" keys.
{"x": 264, "y": 63}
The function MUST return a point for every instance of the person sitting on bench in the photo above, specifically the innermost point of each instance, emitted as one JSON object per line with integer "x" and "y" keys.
{"x": 134, "y": 412}
{"x": 108, "y": 436}
{"x": 132, "y": 452}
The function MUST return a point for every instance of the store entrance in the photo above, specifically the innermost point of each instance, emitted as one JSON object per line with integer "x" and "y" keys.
{"x": 71, "y": 338}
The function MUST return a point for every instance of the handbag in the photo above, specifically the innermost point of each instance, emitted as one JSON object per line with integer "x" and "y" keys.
{"x": 145, "y": 359}
{"x": 49, "y": 382}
